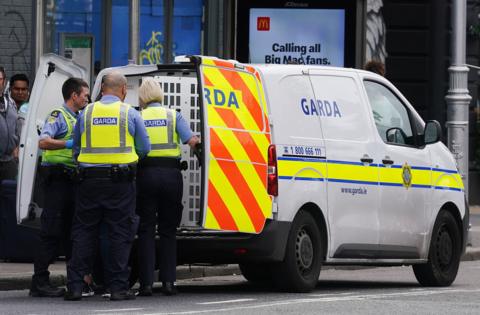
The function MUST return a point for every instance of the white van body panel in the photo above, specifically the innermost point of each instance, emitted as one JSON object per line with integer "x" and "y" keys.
{"x": 290, "y": 131}
{"x": 46, "y": 95}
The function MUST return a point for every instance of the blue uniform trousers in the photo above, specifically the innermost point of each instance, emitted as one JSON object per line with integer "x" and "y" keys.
{"x": 159, "y": 201}
{"x": 113, "y": 203}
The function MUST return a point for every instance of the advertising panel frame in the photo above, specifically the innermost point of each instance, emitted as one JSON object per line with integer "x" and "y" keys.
{"x": 351, "y": 38}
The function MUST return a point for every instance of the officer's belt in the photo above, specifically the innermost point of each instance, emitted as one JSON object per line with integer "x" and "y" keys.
{"x": 160, "y": 162}
{"x": 57, "y": 171}
{"x": 114, "y": 172}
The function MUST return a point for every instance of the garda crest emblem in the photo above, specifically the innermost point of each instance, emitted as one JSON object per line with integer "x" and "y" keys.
{"x": 407, "y": 175}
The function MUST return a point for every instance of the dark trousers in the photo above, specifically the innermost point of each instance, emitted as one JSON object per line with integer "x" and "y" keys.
{"x": 8, "y": 170}
{"x": 159, "y": 201}
{"x": 113, "y": 203}
{"x": 56, "y": 223}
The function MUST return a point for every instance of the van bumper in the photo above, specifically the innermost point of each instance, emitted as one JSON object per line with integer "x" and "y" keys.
{"x": 226, "y": 248}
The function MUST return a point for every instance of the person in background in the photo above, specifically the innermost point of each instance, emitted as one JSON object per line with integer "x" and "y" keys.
{"x": 9, "y": 133}
{"x": 108, "y": 140}
{"x": 19, "y": 89}
{"x": 57, "y": 170}
{"x": 19, "y": 92}
{"x": 376, "y": 67}
{"x": 160, "y": 188}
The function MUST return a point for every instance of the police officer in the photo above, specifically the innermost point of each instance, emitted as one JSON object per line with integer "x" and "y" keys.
{"x": 159, "y": 184}
{"x": 57, "y": 169}
{"x": 108, "y": 140}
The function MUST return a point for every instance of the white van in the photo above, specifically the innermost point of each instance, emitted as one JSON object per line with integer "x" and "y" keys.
{"x": 302, "y": 166}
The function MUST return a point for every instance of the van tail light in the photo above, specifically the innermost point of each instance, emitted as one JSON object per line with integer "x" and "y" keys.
{"x": 272, "y": 177}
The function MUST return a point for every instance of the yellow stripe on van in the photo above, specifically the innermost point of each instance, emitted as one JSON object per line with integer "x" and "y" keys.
{"x": 421, "y": 177}
{"x": 301, "y": 169}
{"x": 447, "y": 180}
{"x": 352, "y": 172}
{"x": 228, "y": 194}
{"x": 210, "y": 220}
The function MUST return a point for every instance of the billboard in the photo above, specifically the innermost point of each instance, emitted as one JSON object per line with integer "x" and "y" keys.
{"x": 307, "y": 32}
{"x": 297, "y": 36}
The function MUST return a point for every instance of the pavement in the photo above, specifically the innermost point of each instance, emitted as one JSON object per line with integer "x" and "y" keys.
{"x": 17, "y": 276}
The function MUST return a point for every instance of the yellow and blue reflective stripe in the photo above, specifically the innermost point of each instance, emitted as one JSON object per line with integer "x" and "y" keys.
{"x": 289, "y": 168}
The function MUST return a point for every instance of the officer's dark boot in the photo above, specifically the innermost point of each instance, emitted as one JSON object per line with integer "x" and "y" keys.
{"x": 73, "y": 296}
{"x": 169, "y": 288}
{"x": 43, "y": 288}
{"x": 145, "y": 290}
{"x": 122, "y": 295}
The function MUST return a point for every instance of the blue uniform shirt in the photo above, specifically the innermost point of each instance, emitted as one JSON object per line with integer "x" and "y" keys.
{"x": 55, "y": 126}
{"x": 136, "y": 128}
{"x": 181, "y": 126}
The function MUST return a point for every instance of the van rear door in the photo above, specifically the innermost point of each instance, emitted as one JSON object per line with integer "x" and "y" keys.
{"x": 46, "y": 95}
{"x": 236, "y": 140}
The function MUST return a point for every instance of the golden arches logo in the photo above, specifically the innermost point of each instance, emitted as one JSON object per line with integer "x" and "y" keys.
{"x": 263, "y": 23}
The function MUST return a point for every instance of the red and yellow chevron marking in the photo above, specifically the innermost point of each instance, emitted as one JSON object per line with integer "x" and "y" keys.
{"x": 237, "y": 198}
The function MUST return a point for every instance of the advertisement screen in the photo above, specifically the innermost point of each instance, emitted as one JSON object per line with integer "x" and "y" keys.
{"x": 297, "y": 36}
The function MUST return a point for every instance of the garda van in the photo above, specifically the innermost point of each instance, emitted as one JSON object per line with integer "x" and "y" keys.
{"x": 302, "y": 166}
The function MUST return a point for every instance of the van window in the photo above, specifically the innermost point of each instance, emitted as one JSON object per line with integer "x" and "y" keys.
{"x": 390, "y": 115}
{"x": 338, "y": 104}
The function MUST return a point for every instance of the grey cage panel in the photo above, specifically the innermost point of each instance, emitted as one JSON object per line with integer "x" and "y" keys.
{"x": 180, "y": 93}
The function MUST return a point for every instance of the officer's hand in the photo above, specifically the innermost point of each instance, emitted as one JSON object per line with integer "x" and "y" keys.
{"x": 198, "y": 153}
{"x": 69, "y": 144}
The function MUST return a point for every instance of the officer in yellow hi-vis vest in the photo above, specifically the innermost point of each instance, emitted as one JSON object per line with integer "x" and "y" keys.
{"x": 160, "y": 187}
{"x": 57, "y": 169}
{"x": 108, "y": 140}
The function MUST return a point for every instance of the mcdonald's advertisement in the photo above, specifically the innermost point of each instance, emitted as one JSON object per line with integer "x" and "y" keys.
{"x": 297, "y": 36}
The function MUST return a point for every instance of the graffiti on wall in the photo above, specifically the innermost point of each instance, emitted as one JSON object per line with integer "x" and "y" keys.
{"x": 376, "y": 32}
{"x": 152, "y": 53}
{"x": 18, "y": 40}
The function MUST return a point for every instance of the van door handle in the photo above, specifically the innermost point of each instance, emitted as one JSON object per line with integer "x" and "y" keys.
{"x": 366, "y": 159}
{"x": 387, "y": 161}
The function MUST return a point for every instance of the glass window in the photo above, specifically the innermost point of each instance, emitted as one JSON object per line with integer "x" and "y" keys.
{"x": 120, "y": 32}
{"x": 389, "y": 112}
{"x": 78, "y": 16}
{"x": 187, "y": 27}
{"x": 152, "y": 34}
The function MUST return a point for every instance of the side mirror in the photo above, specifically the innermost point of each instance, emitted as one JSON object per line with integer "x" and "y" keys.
{"x": 396, "y": 135}
{"x": 432, "y": 132}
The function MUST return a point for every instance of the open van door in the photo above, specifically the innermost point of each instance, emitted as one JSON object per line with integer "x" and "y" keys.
{"x": 46, "y": 95}
{"x": 236, "y": 140}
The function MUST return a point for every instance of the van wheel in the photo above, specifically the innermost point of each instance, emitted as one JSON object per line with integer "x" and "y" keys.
{"x": 299, "y": 270}
{"x": 256, "y": 273}
{"x": 444, "y": 253}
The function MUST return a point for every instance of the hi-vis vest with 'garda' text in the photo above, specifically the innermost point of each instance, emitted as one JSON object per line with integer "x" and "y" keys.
{"x": 105, "y": 138}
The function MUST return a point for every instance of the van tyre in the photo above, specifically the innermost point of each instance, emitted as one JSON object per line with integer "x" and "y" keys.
{"x": 300, "y": 269}
{"x": 256, "y": 272}
{"x": 444, "y": 253}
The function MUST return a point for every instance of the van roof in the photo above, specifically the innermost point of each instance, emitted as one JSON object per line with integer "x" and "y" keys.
{"x": 295, "y": 69}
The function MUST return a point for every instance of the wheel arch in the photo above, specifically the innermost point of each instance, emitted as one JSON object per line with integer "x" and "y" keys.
{"x": 455, "y": 212}
{"x": 314, "y": 210}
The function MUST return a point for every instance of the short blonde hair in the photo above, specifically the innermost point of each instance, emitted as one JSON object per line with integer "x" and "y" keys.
{"x": 150, "y": 91}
